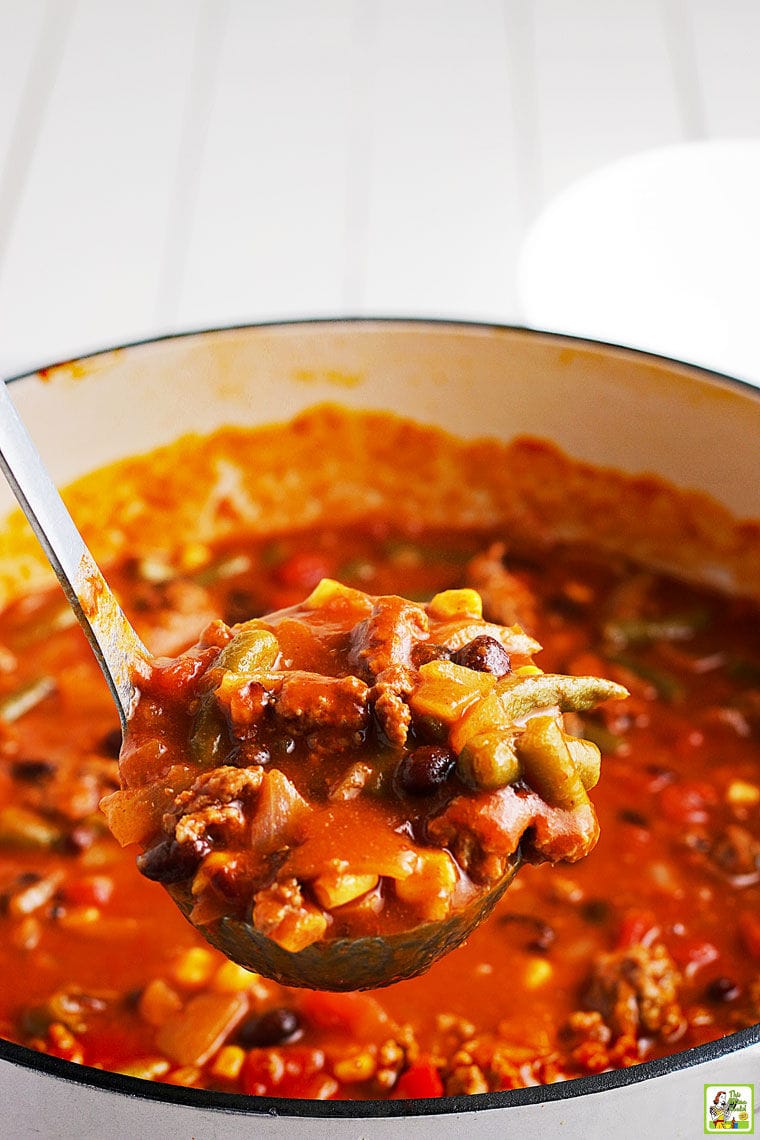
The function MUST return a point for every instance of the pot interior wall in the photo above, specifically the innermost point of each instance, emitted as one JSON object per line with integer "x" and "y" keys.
{"x": 603, "y": 405}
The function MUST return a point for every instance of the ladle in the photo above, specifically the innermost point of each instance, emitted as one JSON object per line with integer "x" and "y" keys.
{"x": 338, "y": 964}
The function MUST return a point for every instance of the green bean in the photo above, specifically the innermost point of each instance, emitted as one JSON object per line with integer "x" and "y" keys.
{"x": 743, "y": 670}
{"x": 209, "y": 733}
{"x": 600, "y": 735}
{"x": 26, "y": 697}
{"x": 547, "y": 764}
{"x": 222, "y": 568}
{"x": 52, "y": 619}
{"x": 587, "y": 760}
{"x": 488, "y": 761}
{"x": 356, "y": 570}
{"x": 668, "y": 687}
{"x": 678, "y": 627}
{"x": 20, "y": 827}
{"x": 519, "y": 696}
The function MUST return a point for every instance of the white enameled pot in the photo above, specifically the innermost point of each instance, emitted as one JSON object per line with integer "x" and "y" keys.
{"x": 601, "y": 404}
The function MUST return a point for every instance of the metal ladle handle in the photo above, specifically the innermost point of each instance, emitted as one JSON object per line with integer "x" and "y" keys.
{"x": 118, "y": 649}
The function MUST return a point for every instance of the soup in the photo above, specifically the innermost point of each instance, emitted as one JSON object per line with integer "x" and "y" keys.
{"x": 649, "y": 946}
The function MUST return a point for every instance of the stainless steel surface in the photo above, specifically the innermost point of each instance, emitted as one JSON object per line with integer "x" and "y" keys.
{"x": 112, "y": 639}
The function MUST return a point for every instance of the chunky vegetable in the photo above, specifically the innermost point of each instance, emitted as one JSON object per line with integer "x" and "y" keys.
{"x": 295, "y": 718}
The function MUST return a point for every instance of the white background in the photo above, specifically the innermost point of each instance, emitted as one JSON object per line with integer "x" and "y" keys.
{"x": 171, "y": 164}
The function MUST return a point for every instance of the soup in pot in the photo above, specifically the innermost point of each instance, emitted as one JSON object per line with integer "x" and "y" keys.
{"x": 648, "y": 946}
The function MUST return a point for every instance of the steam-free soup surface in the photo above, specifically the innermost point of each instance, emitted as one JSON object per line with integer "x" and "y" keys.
{"x": 650, "y": 945}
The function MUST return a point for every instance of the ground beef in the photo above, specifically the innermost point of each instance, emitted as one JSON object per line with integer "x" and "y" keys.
{"x": 170, "y": 615}
{"x": 483, "y": 830}
{"x": 506, "y": 600}
{"x": 736, "y": 853}
{"x": 311, "y": 702}
{"x": 389, "y": 700}
{"x": 215, "y": 804}
{"x": 387, "y": 637}
{"x": 636, "y": 991}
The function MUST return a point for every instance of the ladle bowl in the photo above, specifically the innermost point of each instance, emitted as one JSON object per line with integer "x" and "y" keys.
{"x": 361, "y": 963}
{"x": 332, "y": 964}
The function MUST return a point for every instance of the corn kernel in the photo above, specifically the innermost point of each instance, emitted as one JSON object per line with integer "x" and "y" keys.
{"x": 526, "y": 671}
{"x": 61, "y": 1036}
{"x": 193, "y": 555}
{"x": 26, "y": 935}
{"x": 193, "y": 968}
{"x": 740, "y": 793}
{"x": 328, "y": 592}
{"x": 359, "y": 1067}
{"x": 147, "y": 1068}
{"x": 334, "y": 888}
{"x": 228, "y": 1063}
{"x": 537, "y": 974}
{"x": 232, "y": 979}
{"x": 451, "y": 604}
{"x": 79, "y": 916}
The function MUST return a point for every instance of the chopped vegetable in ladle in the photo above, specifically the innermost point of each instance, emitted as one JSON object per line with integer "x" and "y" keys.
{"x": 339, "y": 792}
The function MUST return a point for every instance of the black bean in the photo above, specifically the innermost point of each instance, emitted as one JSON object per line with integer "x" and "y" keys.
{"x": 26, "y": 878}
{"x": 275, "y": 1027}
{"x": 485, "y": 654}
{"x": 31, "y": 771}
{"x": 170, "y": 862}
{"x": 543, "y": 933}
{"x": 629, "y": 815}
{"x": 543, "y": 940}
{"x": 249, "y": 755}
{"x": 424, "y": 651}
{"x": 424, "y": 769}
{"x": 110, "y": 745}
{"x": 596, "y": 911}
{"x": 723, "y": 989}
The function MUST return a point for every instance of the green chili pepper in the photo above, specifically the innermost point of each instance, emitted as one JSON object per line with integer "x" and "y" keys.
{"x": 251, "y": 650}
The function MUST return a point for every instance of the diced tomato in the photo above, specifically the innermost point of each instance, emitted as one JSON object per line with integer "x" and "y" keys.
{"x": 180, "y": 676}
{"x": 688, "y": 801}
{"x": 420, "y": 1080}
{"x": 293, "y": 1071}
{"x": 358, "y": 1015}
{"x": 635, "y": 927}
{"x": 749, "y": 932}
{"x": 303, "y": 570}
{"x": 93, "y": 890}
